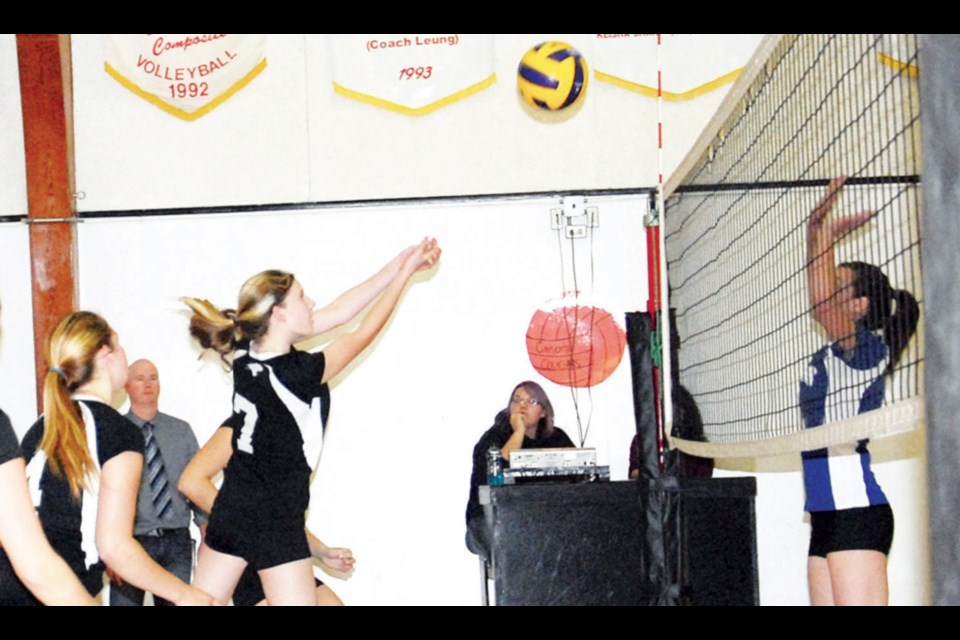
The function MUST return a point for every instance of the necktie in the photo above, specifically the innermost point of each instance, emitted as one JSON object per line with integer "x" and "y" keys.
{"x": 156, "y": 474}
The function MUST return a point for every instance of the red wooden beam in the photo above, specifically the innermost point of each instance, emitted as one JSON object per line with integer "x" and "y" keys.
{"x": 47, "y": 102}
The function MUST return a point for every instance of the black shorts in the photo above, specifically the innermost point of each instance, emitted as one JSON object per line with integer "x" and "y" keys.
{"x": 262, "y": 543}
{"x": 249, "y": 591}
{"x": 861, "y": 529}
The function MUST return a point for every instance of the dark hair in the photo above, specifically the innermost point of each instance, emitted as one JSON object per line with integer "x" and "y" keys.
{"x": 687, "y": 423}
{"x": 545, "y": 427}
{"x": 895, "y": 311}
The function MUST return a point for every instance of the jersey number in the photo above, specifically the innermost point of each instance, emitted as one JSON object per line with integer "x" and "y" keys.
{"x": 244, "y": 406}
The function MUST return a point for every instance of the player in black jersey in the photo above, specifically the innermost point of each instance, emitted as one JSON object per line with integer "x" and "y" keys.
{"x": 24, "y": 549}
{"x": 196, "y": 482}
{"x": 280, "y": 403}
{"x": 84, "y": 461}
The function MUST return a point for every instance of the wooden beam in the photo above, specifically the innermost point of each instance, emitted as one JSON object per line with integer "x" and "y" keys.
{"x": 46, "y": 98}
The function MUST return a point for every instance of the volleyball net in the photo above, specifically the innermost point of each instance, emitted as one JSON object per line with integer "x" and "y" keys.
{"x": 806, "y": 109}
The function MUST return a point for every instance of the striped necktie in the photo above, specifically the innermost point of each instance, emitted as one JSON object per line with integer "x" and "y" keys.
{"x": 156, "y": 474}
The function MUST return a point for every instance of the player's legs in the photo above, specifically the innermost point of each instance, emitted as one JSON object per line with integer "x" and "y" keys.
{"x": 327, "y": 598}
{"x": 289, "y": 584}
{"x": 858, "y": 577}
{"x": 218, "y": 573}
{"x": 818, "y": 580}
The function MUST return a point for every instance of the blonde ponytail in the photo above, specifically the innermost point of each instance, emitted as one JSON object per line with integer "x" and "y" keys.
{"x": 71, "y": 353}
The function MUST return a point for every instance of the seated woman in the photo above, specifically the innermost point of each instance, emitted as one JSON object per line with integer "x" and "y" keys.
{"x": 526, "y": 423}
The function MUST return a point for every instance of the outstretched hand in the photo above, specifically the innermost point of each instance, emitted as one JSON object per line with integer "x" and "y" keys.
{"x": 422, "y": 256}
{"x": 835, "y": 228}
{"x": 337, "y": 558}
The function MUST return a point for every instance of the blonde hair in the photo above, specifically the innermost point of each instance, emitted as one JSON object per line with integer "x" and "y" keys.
{"x": 223, "y": 329}
{"x": 71, "y": 353}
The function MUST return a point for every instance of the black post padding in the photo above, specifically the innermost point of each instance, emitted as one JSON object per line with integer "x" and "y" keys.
{"x": 644, "y": 411}
{"x": 674, "y": 350}
{"x": 660, "y": 508}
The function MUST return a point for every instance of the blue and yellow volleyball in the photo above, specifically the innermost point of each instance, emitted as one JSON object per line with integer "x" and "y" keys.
{"x": 552, "y": 75}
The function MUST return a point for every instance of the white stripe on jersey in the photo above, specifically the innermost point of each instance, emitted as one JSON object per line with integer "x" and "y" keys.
{"x": 846, "y": 477}
{"x": 91, "y": 495}
{"x": 307, "y": 417}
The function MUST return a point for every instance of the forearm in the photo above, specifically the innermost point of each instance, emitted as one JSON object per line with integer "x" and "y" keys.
{"x": 49, "y": 578}
{"x": 196, "y": 481}
{"x": 512, "y": 444}
{"x": 383, "y": 308}
{"x": 821, "y": 273}
{"x": 317, "y": 547}
{"x": 351, "y": 302}
{"x": 126, "y": 558}
{"x": 343, "y": 350}
{"x": 199, "y": 490}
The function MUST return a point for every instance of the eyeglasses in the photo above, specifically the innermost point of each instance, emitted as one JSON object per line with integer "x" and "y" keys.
{"x": 530, "y": 402}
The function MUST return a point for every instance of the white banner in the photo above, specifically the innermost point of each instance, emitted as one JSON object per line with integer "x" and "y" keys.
{"x": 412, "y": 74}
{"x": 692, "y": 64}
{"x": 185, "y": 74}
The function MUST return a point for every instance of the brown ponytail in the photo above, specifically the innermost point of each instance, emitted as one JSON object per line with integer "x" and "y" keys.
{"x": 222, "y": 330}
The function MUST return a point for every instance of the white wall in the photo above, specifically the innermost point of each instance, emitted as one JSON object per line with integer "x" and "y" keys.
{"x": 13, "y": 195}
{"x": 17, "y": 387}
{"x": 393, "y": 480}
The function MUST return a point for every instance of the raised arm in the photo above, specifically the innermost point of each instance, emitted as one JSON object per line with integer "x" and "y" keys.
{"x": 116, "y": 507}
{"x": 826, "y": 305}
{"x": 351, "y": 302}
{"x": 345, "y": 348}
{"x": 38, "y": 566}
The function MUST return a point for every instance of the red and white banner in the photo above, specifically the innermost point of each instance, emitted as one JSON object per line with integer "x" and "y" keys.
{"x": 185, "y": 74}
{"x": 413, "y": 74}
{"x": 693, "y": 64}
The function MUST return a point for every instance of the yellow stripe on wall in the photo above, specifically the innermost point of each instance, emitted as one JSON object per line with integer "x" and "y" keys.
{"x": 696, "y": 92}
{"x": 419, "y": 111}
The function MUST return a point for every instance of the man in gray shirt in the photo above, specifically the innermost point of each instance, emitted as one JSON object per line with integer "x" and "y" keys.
{"x": 163, "y": 514}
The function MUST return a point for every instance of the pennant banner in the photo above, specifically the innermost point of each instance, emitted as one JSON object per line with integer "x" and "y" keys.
{"x": 412, "y": 74}
{"x": 185, "y": 74}
{"x": 693, "y": 64}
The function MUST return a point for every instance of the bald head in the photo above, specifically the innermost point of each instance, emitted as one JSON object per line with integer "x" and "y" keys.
{"x": 143, "y": 387}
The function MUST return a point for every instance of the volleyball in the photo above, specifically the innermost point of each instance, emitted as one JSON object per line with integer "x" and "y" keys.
{"x": 552, "y": 75}
{"x": 575, "y": 345}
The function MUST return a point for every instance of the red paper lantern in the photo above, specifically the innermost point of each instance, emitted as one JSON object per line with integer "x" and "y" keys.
{"x": 575, "y": 345}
